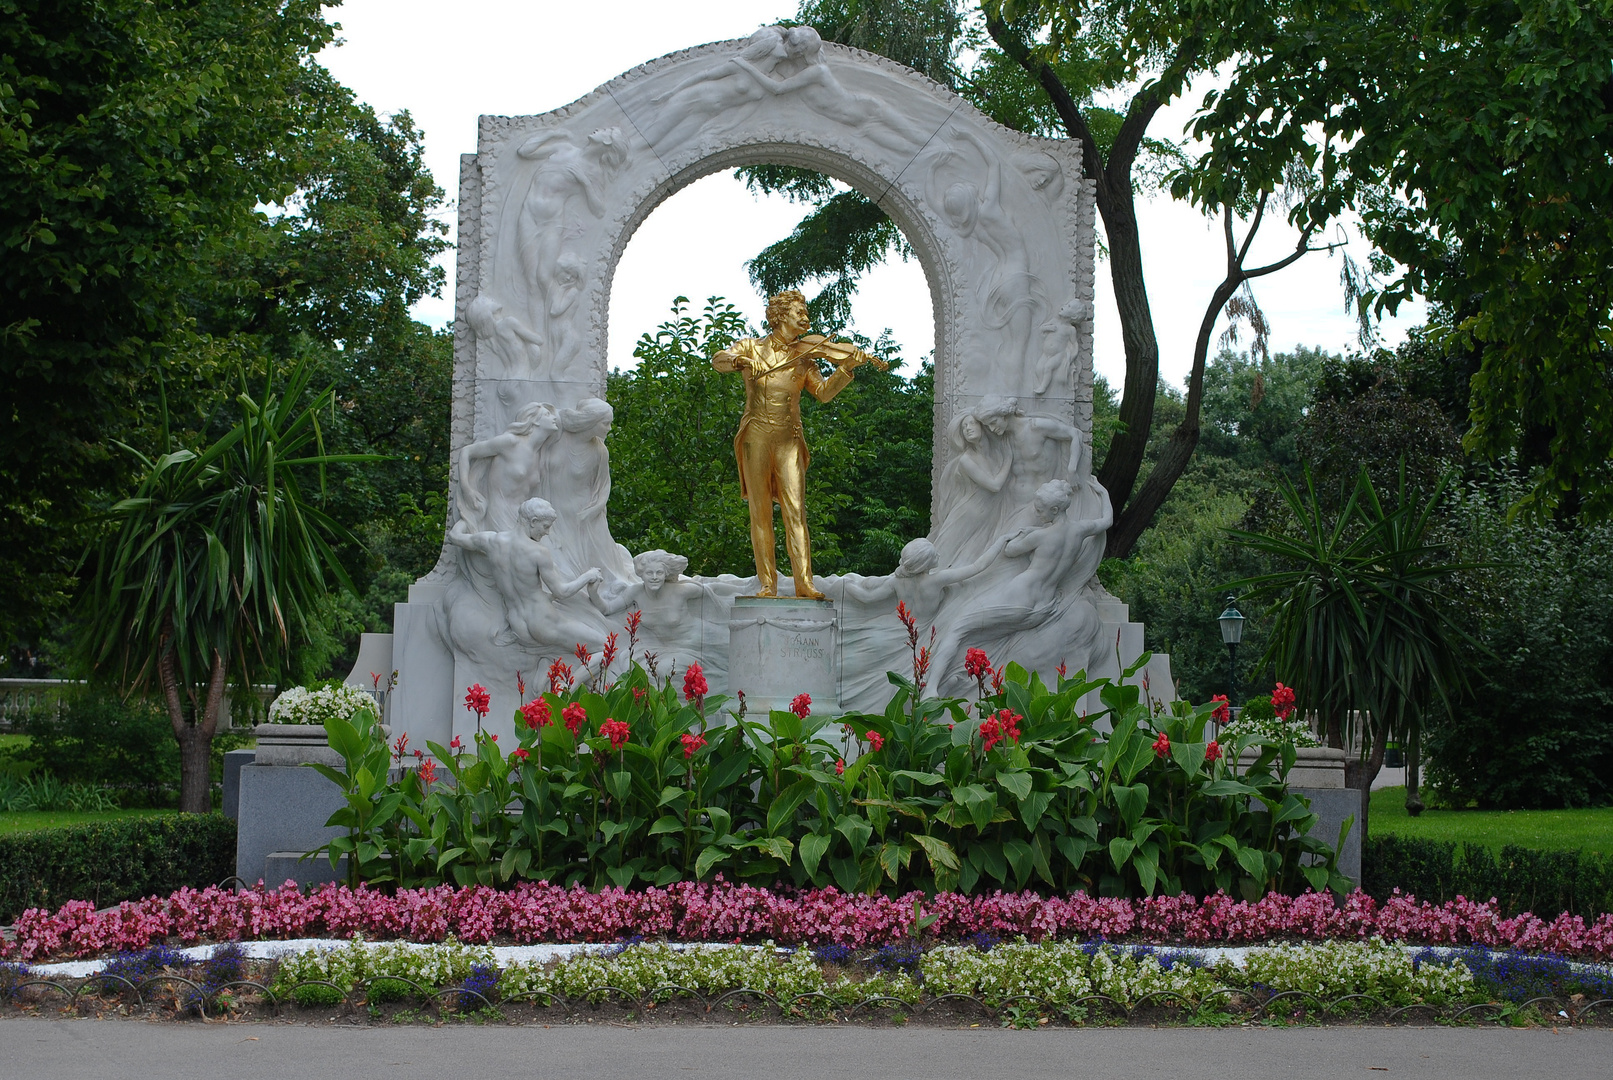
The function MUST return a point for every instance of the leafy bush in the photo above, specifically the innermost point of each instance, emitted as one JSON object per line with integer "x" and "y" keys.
{"x": 627, "y": 782}
{"x": 1546, "y": 883}
{"x": 1536, "y": 729}
{"x": 99, "y": 740}
{"x": 45, "y": 792}
{"x": 110, "y": 861}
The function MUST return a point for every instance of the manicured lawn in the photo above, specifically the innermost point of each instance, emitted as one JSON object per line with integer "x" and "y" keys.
{"x": 1548, "y": 829}
{"x": 29, "y": 820}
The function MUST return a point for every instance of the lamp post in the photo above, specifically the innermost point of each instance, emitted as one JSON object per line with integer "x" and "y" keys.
{"x": 1231, "y": 621}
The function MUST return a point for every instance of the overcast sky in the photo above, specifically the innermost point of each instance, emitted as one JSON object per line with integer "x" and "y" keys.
{"x": 518, "y": 57}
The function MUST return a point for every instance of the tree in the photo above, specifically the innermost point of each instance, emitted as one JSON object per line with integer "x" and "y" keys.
{"x": 1359, "y": 618}
{"x": 135, "y": 141}
{"x": 1476, "y": 142}
{"x": 213, "y": 569}
{"x": 1045, "y": 69}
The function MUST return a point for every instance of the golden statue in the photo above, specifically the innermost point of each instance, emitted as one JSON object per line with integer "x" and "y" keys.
{"x": 770, "y": 446}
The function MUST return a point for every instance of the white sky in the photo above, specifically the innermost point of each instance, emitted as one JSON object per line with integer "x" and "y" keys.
{"x": 511, "y": 57}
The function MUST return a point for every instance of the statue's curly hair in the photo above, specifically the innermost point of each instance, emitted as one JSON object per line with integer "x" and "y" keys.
{"x": 776, "y": 302}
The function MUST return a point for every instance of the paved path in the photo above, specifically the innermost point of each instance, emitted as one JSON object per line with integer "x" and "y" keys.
{"x": 135, "y": 1049}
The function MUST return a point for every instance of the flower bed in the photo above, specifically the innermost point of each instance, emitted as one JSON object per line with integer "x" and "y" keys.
{"x": 722, "y": 911}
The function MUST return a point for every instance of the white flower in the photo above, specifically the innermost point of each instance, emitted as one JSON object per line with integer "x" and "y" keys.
{"x": 299, "y": 705}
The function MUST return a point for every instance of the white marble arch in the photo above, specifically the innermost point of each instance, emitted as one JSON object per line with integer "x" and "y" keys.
{"x": 1001, "y": 222}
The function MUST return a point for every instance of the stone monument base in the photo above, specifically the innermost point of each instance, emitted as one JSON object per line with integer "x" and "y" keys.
{"x": 282, "y": 810}
{"x": 784, "y": 646}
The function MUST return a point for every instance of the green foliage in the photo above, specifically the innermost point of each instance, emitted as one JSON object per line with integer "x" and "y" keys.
{"x": 936, "y": 801}
{"x": 1546, "y": 883}
{"x": 98, "y": 739}
{"x": 43, "y": 793}
{"x": 1475, "y": 141}
{"x": 1536, "y": 729}
{"x": 672, "y": 454}
{"x": 113, "y": 861}
{"x": 1359, "y": 618}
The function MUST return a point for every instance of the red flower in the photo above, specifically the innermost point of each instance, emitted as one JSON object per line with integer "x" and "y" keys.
{"x": 401, "y": 746}
{"x": 582, "y": 653}
{"x": 616, "y": 731}
{"x": 575, "y": 717}
{"x": 639, "y": 693}
{"x": 1162, "y": 745}
{"x": 537, "y": 714}
{"x": 977, "y": 663}
{"x": 1213, "y": 751}
{"x": 1223, "y": 712}
{"x": 608, "y": 653}
{"x": 840, "y": 766}
{"x": 691, "y": 743}
{"x": 454, "y": 744}
{"x": 1282, "y": 701}
{"x": 802, "y": 705}
{"x": 519, "y": 754}
{"x": 634, "y": 617}
{"x": 1010, "y": 722}
{"x": 997, "y": 681}
{"x": 991, "y": 733}
{"x": 694, "y": 683}
{"x": 876, "y": 740}
{"x": 428, "y": 772}
{"x": 921, "y": 665}
{"x": 559, "y": 677}
{"x": 477, "y": 701}
{"x": 520, "y": 685}
{"x": 1062, "y": 670}
{"x": 907, "y": 618}
{"x": 375, "y": 679}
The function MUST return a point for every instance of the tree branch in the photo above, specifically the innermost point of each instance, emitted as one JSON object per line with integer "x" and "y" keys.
{"x": 1063, "y": 104}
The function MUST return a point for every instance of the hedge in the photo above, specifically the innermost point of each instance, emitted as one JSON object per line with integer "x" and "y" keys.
{"x": 108, "y": 862}
{"x": 1521, "y": 879}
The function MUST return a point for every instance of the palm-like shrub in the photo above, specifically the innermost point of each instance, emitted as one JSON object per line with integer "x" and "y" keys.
{"x": 1360, "y": 622}
{"x": 211, "y": 569}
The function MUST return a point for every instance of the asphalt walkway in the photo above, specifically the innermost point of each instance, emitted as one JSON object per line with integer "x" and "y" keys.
{"x": 135, "y": 1049}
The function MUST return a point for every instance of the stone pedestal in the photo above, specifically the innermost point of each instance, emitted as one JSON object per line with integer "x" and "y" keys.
{"x": 781, "y": 647}
{"x": 1318, "y": 776}
{"x": 234, "y": 760}
{"x": 283, "y": 808}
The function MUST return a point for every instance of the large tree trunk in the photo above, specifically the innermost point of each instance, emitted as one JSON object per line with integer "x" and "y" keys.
{"x": 194, "y": 735}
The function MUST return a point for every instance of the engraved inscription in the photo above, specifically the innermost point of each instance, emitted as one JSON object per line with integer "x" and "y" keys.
{"x": 802, "y": 647}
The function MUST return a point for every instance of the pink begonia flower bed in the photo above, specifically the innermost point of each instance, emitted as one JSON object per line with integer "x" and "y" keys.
{"x": 723, "y": 911}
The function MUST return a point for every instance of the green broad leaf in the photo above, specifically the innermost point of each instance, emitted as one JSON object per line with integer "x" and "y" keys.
{"x": 968, "y": 875}
{"x": 708, "y": 858}
{"x": 1222, "y": 788}
{"x": 893, "y": 857}
{"x": 776, "y": 846}
{"x": 1137, "y": 665}
{"x": 1253, "y": 861}
{"x": 664, "y": 876}
{"x": 619, "y": 782}
{"x": 721, "y": 823}
{"x": 1146, "y": 862}
{"x": 1017, "y": 784}
{"x": 1086, "y": 825}
{"x": 1317, "y": 876}
{"x": 782, "y": 812}
{"x": 845, "y": 873}
{"x": 813, "y": 847}
{"x": 1131, "y": 800}
{"x": 989, "y": 857}
{"x": 928, "y": 779}
{"x": 666, "y": 824}
{"x": 1073, "y": 848}
{"x": 1189, "y": 756}
{"x": 1042, "y": 856}
{"x": 575, "y": 790}
{"x": 1033, "y": 806}
{"x": 449, "y": 856}
{"x": 1293, "y": 808}
{"x": 621, "y": 876}
{"x": 1120, "y": 850}
{"x": 856, "y": 830}
{"x": 1019, "y": 856}
{"x": 344, "y": 738}
{"x": 938, "y": 851}
{"x": 723, "y": 775}
{"x": 671, "y": 794}
{"x": 1015, "y": 675}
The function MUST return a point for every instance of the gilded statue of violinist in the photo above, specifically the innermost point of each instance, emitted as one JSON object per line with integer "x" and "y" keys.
{"x": 770, "y": 446}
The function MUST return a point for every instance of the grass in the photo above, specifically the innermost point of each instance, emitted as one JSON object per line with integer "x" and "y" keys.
{"x": 1546, "y": 829}
{"x": 30, "y": 820}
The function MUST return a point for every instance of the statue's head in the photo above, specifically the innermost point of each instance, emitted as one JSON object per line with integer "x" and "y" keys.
{"x": 789, "y": 305}
{"x": 961, "y": 202}
{"x": 536, "y": 517}
{"x": 803, "y": 43}
{"x": 995, "y": 412}
{"x": 591, "y": 415}
{"x": 482, "y": 314}
{"x": 609, "y": 147}
{"x": 1043, "y": 171}
{"x": 534, "y": 416}
{"x": 656, "y": 568}
{"x": 1052, "y": 499}
{"x": 918, "y": 557}
{"x": 768, "y": 43}
{"x": 1077, "y": 310}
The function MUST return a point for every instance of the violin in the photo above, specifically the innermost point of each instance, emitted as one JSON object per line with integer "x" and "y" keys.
{"x": 827, "y": 348}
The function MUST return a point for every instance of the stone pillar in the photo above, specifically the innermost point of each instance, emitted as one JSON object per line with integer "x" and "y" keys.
{"x": 778, "y": 648}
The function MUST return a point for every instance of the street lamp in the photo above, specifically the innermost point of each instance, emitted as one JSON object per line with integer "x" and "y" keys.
{"x": 1231, "y": 621}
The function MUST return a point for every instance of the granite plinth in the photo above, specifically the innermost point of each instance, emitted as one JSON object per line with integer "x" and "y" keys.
{"x": 784, "y": 646}
{"x": 281, "y": 808}
{"x": 233, "y": 761}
